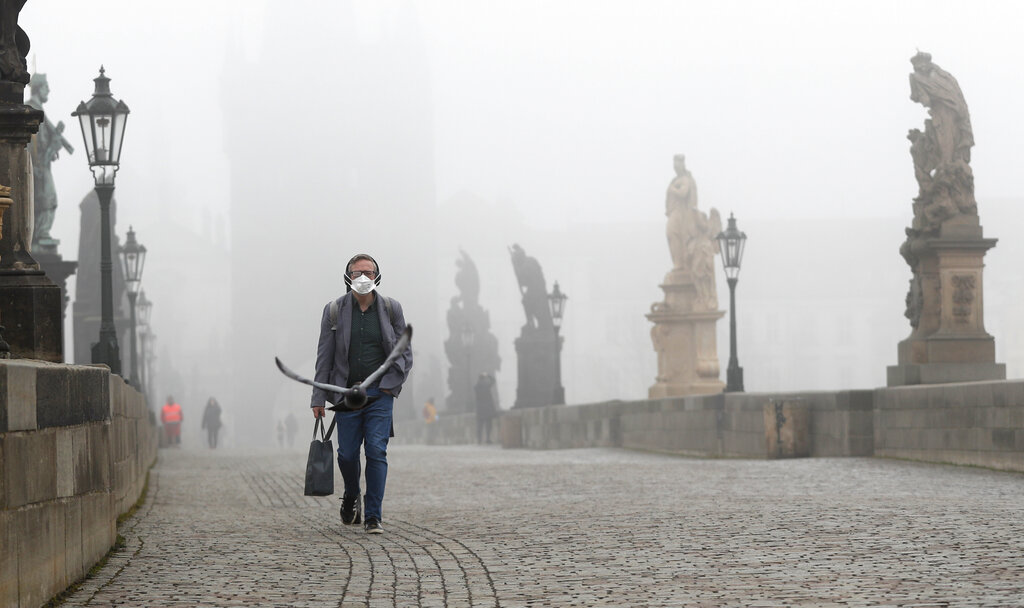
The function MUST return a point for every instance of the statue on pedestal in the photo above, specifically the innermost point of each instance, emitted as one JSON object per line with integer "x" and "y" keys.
{"x": 538, "y": 344}
{"x": 45, "y": 148}
{"x": 684, "y": 322}
{"x": 471, "y": 347}
{"x": 944, "y": 246}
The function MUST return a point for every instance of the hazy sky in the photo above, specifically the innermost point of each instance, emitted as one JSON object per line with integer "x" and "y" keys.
{"x": 574, "y": 109}
{"x": 568, "y": 111}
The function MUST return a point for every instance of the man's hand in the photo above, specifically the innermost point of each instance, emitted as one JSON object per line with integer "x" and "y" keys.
{"x": 318, "y": 412}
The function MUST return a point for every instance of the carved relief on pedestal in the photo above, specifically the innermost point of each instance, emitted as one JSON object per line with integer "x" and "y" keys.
{"x": 963, "y": 296}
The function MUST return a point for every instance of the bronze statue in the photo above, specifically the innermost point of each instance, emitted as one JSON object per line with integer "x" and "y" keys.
{"x": 45, "y": 148}
{"x": 533, "y": 288}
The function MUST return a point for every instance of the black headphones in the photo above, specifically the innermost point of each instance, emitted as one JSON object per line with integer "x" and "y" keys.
{"x": 355, "y": 258}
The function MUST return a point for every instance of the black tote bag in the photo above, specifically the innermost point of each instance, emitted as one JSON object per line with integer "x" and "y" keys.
{"x": 320, "y": 462}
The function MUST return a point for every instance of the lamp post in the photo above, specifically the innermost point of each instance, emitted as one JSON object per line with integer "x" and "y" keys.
{"x": 732, "y": 241}
{"x": 133, "y": 258}
{"x": 468, "y": 336}
{"x": 103, "y": 119}
{"x": 556, "y": 300}
{"x": 145, "y": 308}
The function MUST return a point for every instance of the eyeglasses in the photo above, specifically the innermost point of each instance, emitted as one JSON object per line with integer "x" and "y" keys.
{"x": 370, "y": 274}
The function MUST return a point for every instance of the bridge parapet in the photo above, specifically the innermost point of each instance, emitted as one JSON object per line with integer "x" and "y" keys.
{"x": 75, "y": 445}
{"x": 970, "y": 423}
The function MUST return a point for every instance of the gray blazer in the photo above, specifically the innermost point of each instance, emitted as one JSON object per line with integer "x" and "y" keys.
{"x": 332, "y": 350}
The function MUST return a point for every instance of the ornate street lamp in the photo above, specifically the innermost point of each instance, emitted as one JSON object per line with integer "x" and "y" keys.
{"x": 145, "y": 309}
{"x": 556, "y": 300}
{"x": 732, "y": 242}
{"x": 133, "y": 258}
{"x": 103, "y": 120}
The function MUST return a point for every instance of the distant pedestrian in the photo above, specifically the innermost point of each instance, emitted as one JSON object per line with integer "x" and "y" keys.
{"x": 357, "y": 331}
{"x": 291, "y": 426}
{"x": 429, "y": 411}
{"x": 486, "y": 406}
{"x": 211, "y": 422}
{"x": 171, "y": 417}
{"x": 280, "y": 433}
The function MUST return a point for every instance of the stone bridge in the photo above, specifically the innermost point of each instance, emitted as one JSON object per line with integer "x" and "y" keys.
{"x": 482, "y": 526}
{"x": 620, "y": 516}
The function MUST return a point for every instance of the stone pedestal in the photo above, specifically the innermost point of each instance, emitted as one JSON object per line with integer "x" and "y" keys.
{"x": 30, "y": 302}
{"x": 58, "y": 270}
{"x": 538, "y": 384}
{"x": 950, "y": 343}
{"x": 686, "y": 342}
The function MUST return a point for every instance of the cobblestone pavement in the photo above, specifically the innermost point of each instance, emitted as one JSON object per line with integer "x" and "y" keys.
{"x": 481, "y": 526}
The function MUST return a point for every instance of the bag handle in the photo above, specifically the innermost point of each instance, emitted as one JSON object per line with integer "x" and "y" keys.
{"x": 320, "y": 424}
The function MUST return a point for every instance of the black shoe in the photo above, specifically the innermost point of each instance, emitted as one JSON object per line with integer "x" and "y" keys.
{"x": 351, "y": 510}
{"x": 372, "y": 526}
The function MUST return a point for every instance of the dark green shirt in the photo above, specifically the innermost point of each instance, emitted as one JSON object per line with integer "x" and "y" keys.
{"x": 366, "y": 345}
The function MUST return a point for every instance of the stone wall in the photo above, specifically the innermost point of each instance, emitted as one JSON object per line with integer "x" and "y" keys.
{"x": 722, "y": 425}
{"x": 75, "y": 445}
{"x": 974, "y": 423}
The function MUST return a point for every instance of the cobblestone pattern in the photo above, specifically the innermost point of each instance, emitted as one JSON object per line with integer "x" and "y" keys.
{"x": 480, "y": 526}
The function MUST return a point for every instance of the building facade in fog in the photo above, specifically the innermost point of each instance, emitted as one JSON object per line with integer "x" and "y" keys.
{"x": 336, "y": 158}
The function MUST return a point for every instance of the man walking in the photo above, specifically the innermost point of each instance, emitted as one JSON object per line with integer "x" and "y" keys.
{"x": 357, "y": 331}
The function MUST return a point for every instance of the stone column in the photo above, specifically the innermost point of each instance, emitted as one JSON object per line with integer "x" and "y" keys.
{"x": 31, "y": 303}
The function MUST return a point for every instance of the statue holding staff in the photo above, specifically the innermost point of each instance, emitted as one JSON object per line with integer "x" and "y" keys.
{"x": 45, "y": 148}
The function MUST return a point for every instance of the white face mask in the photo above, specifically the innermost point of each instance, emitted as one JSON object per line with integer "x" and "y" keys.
{"x": 363, "y": 285}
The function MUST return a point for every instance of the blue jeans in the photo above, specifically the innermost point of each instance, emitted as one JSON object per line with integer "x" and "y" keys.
{"x": 370, "y": 428}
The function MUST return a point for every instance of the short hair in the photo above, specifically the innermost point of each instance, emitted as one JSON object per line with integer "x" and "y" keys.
{"x": 361, "y": 256}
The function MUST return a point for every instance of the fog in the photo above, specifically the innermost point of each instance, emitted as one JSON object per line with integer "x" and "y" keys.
{"x": 270, "y": 141}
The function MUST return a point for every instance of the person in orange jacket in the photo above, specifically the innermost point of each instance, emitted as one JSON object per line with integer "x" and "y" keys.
{"x": 171, "y": 417}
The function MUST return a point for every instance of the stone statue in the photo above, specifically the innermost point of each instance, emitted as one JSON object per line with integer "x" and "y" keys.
{"x": 533, "y": 288}
{"x": 950, "y": 125}
{"x": 941, "y": 155}
{"x": 945, "y": 245}
{"x": 45, "y": 147}
{"x": 691, "y": 236}
{"x": 14, "y": 43}
{"x": 478, "y": 354}
{"x": 684, "y": 322}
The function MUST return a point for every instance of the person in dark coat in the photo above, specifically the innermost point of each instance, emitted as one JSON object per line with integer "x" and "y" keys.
{"x": 486, "y": 406}
{"x": 211, "y": 422}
